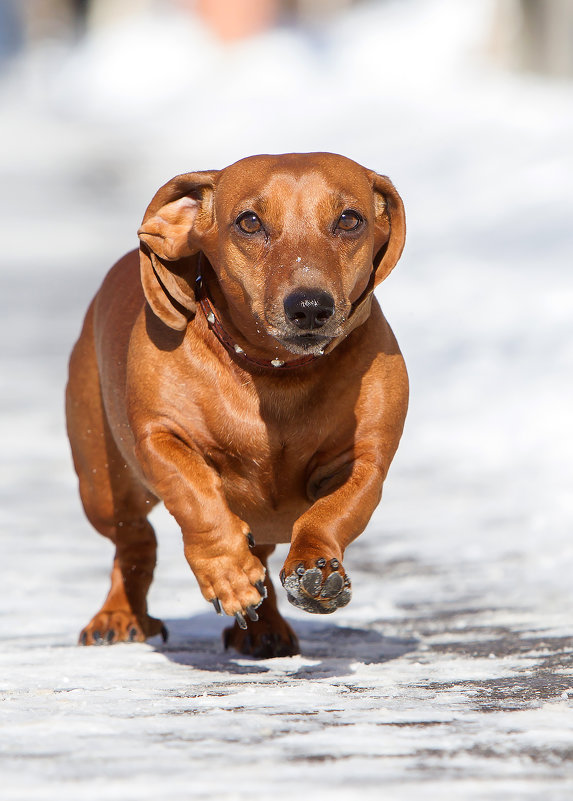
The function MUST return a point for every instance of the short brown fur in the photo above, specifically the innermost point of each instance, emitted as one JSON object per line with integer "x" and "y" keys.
{"x": 159, "y": 409}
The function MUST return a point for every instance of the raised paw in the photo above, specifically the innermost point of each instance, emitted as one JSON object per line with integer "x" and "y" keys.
{"x": 229, "y": 573}
{"x": 322, "y": 588}
{"x": 110, "y": 627}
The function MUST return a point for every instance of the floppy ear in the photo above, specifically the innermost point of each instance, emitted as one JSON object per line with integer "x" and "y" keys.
{"x": 389, "y": 226}
{"x": 171, "y": 235}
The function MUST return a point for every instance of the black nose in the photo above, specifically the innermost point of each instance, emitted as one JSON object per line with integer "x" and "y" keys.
{"x": 309, "y": 308}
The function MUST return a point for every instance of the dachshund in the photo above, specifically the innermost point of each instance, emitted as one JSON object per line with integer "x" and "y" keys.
{"x": 238, "y": 367}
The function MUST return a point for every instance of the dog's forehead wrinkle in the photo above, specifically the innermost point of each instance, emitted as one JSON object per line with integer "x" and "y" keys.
{"x": 261, "y": 170}
{"x": 301, "y": 193}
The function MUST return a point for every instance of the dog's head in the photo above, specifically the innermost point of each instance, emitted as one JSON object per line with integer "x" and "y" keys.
{"x": 297, "y": 243}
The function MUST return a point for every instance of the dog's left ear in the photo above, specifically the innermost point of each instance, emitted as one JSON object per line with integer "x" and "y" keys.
{"x": 389, "y": 226}
{"x": 173, "y": 231}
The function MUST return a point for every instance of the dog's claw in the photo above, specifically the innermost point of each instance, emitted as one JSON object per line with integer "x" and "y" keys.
{"x": 132, "y": 635}
{"x": 240, "y": 620}
{"x": 252, "y": 614}
{"x": 260, "y": 586}
{"x": 320, "y": 562}
{"x": 98, "y": 639}
{"x": 334, "y": 564}
{"x": 300, "y": 569}
{"x": 164, "y": 633}
{"x": 84, "y": 638}
{"x": 250, "y": 540}
{"x": 217, "y": 604}
{"x": 110, "y": 635}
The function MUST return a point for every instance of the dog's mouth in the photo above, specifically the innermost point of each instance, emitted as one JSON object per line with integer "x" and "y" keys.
{"x": 303, "y": 344}
{"x": 310, "y": 334}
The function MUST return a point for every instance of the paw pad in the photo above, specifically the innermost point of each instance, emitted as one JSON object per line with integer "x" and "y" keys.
{"x": 314, "y": 589}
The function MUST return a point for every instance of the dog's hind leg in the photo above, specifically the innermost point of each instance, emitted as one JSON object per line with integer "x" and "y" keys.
{"x": 270, "y": 635}
{"x": 115, "y": 502}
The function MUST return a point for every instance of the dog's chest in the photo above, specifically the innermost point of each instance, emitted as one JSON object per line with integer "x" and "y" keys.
{"x": 263, "y": 444}
{"x": 265, "y": 461}
{"x": 265, "y": 484}
{"x": 263, "y": 454}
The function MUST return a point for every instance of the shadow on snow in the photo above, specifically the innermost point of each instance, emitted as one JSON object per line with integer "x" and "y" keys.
{"x": 326, "y": 649}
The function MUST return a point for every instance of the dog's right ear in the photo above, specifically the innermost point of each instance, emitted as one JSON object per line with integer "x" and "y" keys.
{"x": 171, "y": 234}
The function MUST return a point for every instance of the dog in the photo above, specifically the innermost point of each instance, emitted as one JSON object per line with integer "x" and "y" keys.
{"x": 238, "y": 368}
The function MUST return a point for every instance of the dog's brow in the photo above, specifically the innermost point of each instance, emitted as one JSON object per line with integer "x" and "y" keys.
{"x": 255, "y": 202}
{"x": 262, "y": 203}
{"x": 343, "y": 199}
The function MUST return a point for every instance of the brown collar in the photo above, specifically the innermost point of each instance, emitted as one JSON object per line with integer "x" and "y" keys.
{"x": 232, "y": 347}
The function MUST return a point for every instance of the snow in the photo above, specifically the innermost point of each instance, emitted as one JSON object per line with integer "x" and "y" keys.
{"x": 450, "y": 673}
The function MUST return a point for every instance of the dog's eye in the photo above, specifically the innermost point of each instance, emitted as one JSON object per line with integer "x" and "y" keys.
{"x": 248, "y": 222}
{"x": 349, "y": 220}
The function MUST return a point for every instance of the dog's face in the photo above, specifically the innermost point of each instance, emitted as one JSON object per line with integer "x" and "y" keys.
{"x": 295, "y": 241}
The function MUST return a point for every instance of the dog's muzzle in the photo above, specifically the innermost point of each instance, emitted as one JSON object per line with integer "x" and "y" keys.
{"x": 305, "y": 328}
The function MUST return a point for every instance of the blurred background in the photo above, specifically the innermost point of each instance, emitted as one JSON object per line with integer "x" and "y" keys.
{"x": 466, "y": 106}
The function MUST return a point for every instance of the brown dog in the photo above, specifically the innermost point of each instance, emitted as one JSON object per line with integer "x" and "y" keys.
{"x": 239, "y": 369}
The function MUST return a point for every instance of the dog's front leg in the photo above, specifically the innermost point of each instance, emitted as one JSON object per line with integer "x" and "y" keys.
{"x": 313, "y": 575}
{"x": 216, "y": 541}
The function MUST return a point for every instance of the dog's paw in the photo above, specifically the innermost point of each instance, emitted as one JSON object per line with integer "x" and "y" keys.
{"x": 322, "y": 588}
{"x": 263, "y": 639}
{"x": 233, "y": 587}
{"x": 109, "y": 627}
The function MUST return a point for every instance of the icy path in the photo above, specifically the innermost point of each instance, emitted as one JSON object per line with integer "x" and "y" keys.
{"x": 450, "y": 675}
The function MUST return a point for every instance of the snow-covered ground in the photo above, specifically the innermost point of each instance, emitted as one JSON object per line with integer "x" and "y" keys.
{"x": 450, "y": 675}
